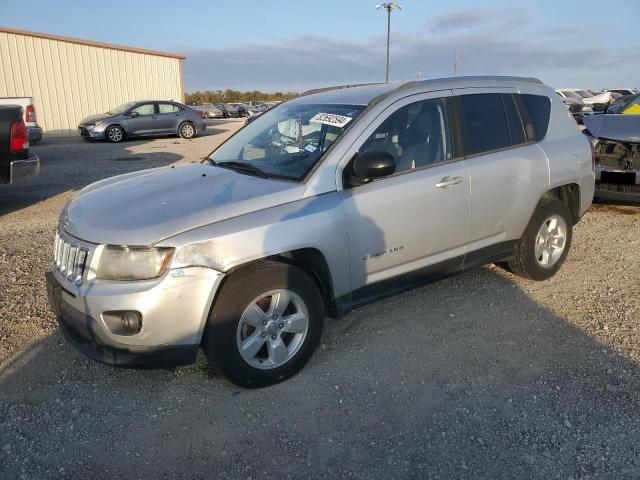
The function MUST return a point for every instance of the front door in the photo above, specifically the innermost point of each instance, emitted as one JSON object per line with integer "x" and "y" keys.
{"x": 415, "y": 221}
{"x": 142, "y": 120}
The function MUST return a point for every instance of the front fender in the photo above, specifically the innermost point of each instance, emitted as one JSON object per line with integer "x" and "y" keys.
{"x": 316, "y": 222}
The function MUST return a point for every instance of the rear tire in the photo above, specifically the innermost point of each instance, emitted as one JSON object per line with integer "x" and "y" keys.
{"x": 255, "y": 312}
{"x": 187, "y": 130}
{"x": 545, "y": 242}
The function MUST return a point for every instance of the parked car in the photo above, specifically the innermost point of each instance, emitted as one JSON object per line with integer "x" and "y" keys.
{"x": 228, "y": 111}
{"x": 17, "y": 164}
{"x": 29, "y": 116}
{"x": 144, "y": 118}
{"x": 576, "y": 107}
{"x": 616, "y": 142}
{"x": 623, "y": 91}
{"x": 599, "y": 103}
{"x": 211, "y": 111}
{"x": 321, "y": 204}
{"x": 620, "y": 103}
{"x": 241, "y": 107}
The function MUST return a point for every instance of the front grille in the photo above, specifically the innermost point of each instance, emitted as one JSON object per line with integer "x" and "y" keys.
{"x": 69, "y": 259}
{"x": 575, "y": 108}
{"x": 599, "y": 107}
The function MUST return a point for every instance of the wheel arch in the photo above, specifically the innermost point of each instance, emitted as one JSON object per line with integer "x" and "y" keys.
{"x": 568, "y": 194}
{"x": 124, "y": 130}
{"x": 311, "y": 261}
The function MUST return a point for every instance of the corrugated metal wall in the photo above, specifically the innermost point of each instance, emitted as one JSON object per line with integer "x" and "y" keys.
{"x": 69, "y": 81}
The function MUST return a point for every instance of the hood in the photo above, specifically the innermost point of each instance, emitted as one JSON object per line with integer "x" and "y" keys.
{"x": 601, "y": 98}
{"x": 142, "y": 208}
{"x": 93, "y": 118}
{"x": 622, "y": 128}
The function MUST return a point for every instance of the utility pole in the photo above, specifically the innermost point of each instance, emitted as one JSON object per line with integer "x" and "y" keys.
{"x": 456, "y": 61}
{"x": 388, "y": 7}
{"x": 418, "y": 74}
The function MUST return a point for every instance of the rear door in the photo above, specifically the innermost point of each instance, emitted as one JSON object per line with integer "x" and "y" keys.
{"x": 142, "y": 122}
{"x": 508, "y": 171}
{"x": 169, "y": 117}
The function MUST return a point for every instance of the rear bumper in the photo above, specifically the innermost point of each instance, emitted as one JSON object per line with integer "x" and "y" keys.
{"x": 35, "y": 134}
{"x": 24, "y": 170}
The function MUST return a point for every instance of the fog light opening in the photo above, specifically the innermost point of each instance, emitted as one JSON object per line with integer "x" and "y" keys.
{"x": 127, "y": 322}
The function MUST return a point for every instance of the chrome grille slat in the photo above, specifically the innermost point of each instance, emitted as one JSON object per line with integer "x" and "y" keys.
{"x": 70, "y": 259}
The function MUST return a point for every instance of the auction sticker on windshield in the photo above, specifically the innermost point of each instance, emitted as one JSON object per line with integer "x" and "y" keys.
{"x": 331, "y": 119}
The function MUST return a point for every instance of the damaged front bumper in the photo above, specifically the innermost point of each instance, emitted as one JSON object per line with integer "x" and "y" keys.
{"x": 173, "y": 311}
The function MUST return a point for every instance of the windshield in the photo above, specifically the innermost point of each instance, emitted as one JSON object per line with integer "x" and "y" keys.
{"x": 287, "y": 141}
{"x": 121, "y": 108}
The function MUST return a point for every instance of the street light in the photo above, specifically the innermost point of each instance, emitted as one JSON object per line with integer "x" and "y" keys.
{"x": 388, "y": 7}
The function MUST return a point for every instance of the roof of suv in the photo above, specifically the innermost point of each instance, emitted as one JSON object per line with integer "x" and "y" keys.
{"x": 364, "y": 94}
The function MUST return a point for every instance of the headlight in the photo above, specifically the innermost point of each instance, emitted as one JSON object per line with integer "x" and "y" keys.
{"x": 133, "y": 263}
{"x": 98, "y": 123}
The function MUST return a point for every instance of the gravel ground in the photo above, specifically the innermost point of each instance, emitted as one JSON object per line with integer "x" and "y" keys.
{"x": 483, "y": 375}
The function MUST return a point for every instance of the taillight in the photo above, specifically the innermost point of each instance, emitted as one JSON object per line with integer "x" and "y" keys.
{"x": 200, "y": 113}
{"x": 19, "y": 137}
{"x": 593, "y": 155}
{"x": 31, "y": 113}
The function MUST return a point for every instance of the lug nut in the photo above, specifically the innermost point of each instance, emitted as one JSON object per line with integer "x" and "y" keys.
{"x": 281, "y": 326}
{"x": 273, "y": 337}
{"x": 264, "y": 334}
{"x": 264, "y": 323}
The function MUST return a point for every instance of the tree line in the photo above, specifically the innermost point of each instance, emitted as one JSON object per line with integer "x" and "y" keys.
{"x": 235, "y": 96}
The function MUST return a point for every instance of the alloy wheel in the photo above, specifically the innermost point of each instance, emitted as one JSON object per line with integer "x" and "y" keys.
{"x": 551, "y": 241}
{"x": 272, "y": 329}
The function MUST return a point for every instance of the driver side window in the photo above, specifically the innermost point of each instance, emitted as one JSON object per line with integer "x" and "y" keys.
{"x": 417, "y": 135}
{"x": 144, "y": 109}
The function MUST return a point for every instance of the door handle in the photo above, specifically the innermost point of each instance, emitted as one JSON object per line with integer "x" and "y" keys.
{"x": 448, "y": 181}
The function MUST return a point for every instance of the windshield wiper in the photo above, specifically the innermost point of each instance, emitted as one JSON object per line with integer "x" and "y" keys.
{"x": 241, "y": 167}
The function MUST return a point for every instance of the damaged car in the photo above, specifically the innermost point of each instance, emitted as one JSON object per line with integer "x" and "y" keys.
{"x": 616, "y": 144}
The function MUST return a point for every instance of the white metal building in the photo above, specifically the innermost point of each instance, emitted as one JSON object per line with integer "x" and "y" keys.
{"x": 70, "y": 79}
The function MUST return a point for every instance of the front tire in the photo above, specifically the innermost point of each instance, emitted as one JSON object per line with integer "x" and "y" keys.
{"x": 115, "y": 134}
{"x": 545, "y": 242}
{"x": 265, "y": 325}
{"x": 187, "y": 130}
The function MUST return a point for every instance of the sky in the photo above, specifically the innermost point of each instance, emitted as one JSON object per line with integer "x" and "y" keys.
{"x": 289, "y": 45}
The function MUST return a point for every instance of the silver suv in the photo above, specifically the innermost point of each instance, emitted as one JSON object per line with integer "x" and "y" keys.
{"x": 325, "y": 202}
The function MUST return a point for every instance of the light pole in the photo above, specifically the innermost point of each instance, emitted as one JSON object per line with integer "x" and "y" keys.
{"x": 388, "y": 7}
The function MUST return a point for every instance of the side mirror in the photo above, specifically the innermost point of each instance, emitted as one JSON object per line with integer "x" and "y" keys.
{"x": 374, "y": 164}
{"x": 133, "y": 114}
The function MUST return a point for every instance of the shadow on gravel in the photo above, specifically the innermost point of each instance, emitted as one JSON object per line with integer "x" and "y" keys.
{"x": 71, "y": 163}
{"x": 465, "y": 378}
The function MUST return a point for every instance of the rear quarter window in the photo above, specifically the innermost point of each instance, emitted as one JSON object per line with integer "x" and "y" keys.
{"x": 537, "y": 113}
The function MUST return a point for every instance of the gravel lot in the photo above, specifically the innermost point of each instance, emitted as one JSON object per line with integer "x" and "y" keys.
{"x": 483, "y": 375}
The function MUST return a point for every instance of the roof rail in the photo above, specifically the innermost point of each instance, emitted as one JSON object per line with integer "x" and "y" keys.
{"x": 469, "y": 78}
{"x": 338, "y": 87}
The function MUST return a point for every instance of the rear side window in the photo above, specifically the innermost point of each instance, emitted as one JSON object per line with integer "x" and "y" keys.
{"x": 516, "y": 129}
{"x": 485, "y": 122}
{"x": 168, "y": 108}
{"x": 538, "y": 110}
